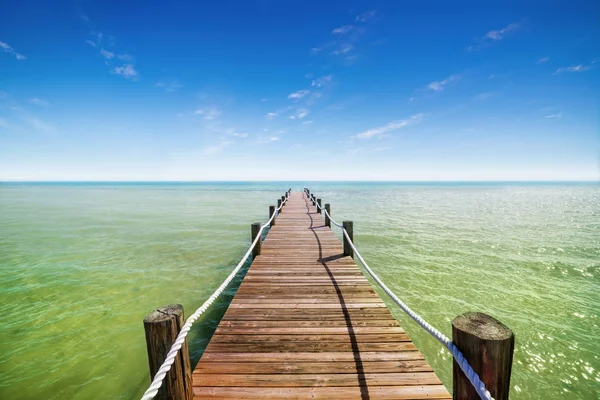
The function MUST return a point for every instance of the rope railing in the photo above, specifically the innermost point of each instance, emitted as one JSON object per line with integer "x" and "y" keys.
{"x": 157, "y": 382}
{"x": 473, "y": 377}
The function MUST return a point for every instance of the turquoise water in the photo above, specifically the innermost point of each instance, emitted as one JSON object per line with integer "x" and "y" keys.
{"x": 81, "y": 264}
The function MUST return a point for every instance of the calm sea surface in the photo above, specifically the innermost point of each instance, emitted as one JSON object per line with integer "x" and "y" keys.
{"x": 81, "y": 264}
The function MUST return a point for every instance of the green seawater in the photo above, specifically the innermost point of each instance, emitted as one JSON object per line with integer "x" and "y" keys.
{"x": 81, "y": 264}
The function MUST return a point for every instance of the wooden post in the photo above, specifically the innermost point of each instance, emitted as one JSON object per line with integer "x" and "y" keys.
{"x": 271, "y": 212}
{"x": 487, "y": 344}
{"x": 162, "y": 327}
{"x": 313, "y": 199}
{"x": 318, "y": 208}
{"x": 278, "y": 203}
{"x": 283, "y": 199}
{"x": 327, "y": 214}
{"x": 255, "y": 228}
{"x": 349, "y": 227}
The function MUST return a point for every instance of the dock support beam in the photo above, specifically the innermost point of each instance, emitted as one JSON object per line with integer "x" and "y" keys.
{"x": 319, "y": 208}
{"x": 327, "y": 214}
{"x": 278, "y": 203}
{"x": 488, "y": 345}
{"x": 283, "y": 199}
{"x": 271, "y": 212}
{"x": 349, "y": 228}
{"x": 162, "y": 327}
{"x": 255, "y": 229}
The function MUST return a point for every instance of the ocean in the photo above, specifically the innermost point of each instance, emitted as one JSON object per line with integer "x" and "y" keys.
{"x": 82, "y": 263}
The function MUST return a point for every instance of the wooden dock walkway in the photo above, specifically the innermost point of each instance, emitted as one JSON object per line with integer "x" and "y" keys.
{"x": 306, "y": 323}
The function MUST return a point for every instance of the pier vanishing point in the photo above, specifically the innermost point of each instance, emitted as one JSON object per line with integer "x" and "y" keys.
{"x": 306, "y": 323}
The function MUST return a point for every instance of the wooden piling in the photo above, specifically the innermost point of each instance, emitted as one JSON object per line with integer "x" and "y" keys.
{"x": 349, "y": 227}
{"x": 278, "y": 203}
{"x": 488, "y": 345}
{"x": 283, "y": 200}
{"x": 319, "y": 208}
{"x": 271, "y": 212}
{"x": 255, "y": 229}
{"x": 162, "y": 327}
{"x": 327, "y": 214}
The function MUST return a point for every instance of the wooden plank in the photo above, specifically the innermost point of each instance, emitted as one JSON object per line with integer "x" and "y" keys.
{"x": 306, "y": 323}
{"x": 432, "y": 392}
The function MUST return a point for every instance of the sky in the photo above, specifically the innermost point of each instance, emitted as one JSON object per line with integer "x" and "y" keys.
{"x": 290, "y": 90}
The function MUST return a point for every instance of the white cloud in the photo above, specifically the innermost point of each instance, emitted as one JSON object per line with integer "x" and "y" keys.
{"x": 209, "y": 113}
{"x": 273, "y": 139}
{"x": 344, "y": 49}
{"x": 307, "y": 122}
{"x": 322, "y": 81}
{"x": 342, "y": 29}
{"x": 240, "y": 135}
{"x": 553, "y": 116}
{"x": 169, "y": 85}
{"x": 271, "y": 115}
{"x": 107, "y": 54}
{"x": 364, "y": 17}
{"x": 125, "y": 57}
{"x": 576, "y": 68}
{"x": 127, "y": 71}
{"x": 499, "y": 35}
{"x": 392, "y": 126}
{"x": 91, "y": 43}
{"x": 302, "y": 113}
{"x": 439, "y": 86}
{"x": 39, "y": 102}
{"x": 299, "y": 94}
{"x": 543, "y": 60}
{"x": 495, "y": 36}
{"x": 216, "y": 149}
{"x": 8, "y": 49}
{"x": 482, "y": 96}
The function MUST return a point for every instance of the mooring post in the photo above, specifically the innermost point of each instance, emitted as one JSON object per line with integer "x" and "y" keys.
{"x": 488, "y": 345}
{"x": 319, "y": 208}
{"x": 255, "y": 229}
{"x": 278, "y": 203}
{"x": 313, "y": 199}
{"x": 348, "y": 227}
{"x": 271, "y": 213}
{"x": 283, "y": 200}
{"x": 162, "y": 327}
{"x": 327, "y": 214}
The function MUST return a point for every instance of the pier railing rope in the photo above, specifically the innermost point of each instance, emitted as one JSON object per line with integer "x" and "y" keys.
{"x": 473, "y": 377}
{"x": 158, "y": 379}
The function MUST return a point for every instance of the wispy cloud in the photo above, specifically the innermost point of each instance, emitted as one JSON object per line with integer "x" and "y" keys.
{"x": 575, "y": 68}
{"x": 322, "y": 81}
{"x": 299, "y": 94}
{"x": 553, "y": 116}
{"x": 482, "y": 96}
{"x": 127, "y": 71}
{"x": 107, "y": 54}
{"x": 364, "y": 17}
{"x": 392, "y": 126}
{"x": 39, "y": 102}
{"x": 344, "y": 48}
{"x": 300, "y": 113}
{"x": 169, "y": 85}
{"x": 495, "y": 36}
{"x": 543, "y": 60}
{"x": 217, "y": 148}
{"x": 271, "y": 115}
{"x": 343, "y": 29}
{"x": 208, "y": 113}
{"x": 438, "y": 86}
{"x": 273, "y": 139}
{"x": 8, "y": 49}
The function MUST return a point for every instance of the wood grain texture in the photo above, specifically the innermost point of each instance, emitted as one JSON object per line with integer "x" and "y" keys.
{"x": 306, "y": 323}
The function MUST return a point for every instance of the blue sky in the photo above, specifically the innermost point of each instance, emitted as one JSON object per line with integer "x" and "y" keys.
{"x": 282, "y": 90}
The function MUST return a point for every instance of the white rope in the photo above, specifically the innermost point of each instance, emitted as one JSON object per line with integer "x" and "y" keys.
{"x": 462, "y": 362}
{"x": 170, "y": 359}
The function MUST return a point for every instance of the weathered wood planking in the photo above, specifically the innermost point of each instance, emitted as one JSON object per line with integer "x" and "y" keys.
{"x": 306, "y": 323}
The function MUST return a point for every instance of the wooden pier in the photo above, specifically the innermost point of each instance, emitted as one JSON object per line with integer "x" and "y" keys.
{"x": 306, "y": 323}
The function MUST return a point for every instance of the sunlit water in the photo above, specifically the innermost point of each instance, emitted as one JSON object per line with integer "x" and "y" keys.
{"x": 80, "y": 266}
